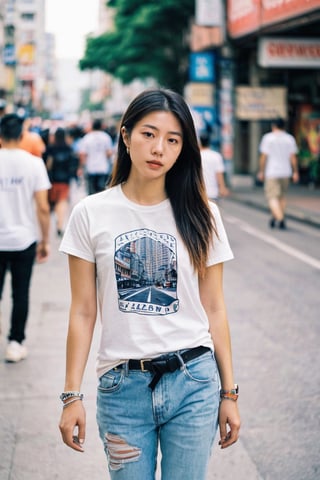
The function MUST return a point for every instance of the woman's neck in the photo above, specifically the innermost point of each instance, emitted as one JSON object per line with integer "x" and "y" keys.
{"x": 150, "y": 193}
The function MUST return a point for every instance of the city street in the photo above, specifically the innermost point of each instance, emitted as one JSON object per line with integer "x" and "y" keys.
{"x": 272, "y": 294}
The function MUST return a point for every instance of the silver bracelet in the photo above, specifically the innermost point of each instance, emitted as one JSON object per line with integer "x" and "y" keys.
{"x": 71, "y": 401}
{"x": 65, "y": 395}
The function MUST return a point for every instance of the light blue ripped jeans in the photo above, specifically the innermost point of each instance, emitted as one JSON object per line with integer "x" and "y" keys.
{"x": 180, "y": 414}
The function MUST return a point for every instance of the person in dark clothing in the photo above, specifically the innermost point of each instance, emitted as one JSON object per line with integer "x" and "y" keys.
{"x": 60, "y": 162}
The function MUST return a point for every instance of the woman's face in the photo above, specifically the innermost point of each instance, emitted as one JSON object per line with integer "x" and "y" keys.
{"x": 154, "y": 144}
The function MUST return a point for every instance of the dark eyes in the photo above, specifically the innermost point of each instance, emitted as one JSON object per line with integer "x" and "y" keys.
{"x": 172, "y": 140}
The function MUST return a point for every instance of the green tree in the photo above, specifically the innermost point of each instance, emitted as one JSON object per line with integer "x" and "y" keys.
{"x": 149, "y": 40}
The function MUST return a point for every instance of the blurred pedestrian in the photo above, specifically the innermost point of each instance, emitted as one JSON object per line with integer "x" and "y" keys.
{"x": 95, "y": 151}
{"x": 212, "y": 168}
{"x": 278, "y": 163}
{"x": 3, "y": 107}
{"x": 24, "y": 185}
{"x": 60, "y": 165}
{"x": 31, "y": 141}
{"x": 163, "y": 343}
{"x": 75, "y": 135}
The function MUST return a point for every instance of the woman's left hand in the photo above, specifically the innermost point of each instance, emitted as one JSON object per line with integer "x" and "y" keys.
{"x": 228, "y": 417}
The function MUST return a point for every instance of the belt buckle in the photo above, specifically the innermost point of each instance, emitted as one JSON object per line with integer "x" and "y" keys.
{"x": 142, "y": 364}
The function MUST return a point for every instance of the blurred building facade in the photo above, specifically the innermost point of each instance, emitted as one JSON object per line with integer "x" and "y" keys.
{"x": 27, "y": 65}
{"x": 258, "y": 60}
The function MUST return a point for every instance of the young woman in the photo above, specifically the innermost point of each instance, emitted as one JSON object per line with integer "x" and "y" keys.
{"x": 151, "y": 249}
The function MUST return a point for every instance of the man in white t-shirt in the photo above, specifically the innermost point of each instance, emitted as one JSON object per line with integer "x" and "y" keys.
{"x": 24, "y": 210}
{"x": 278, "y": 163}
{"x": 95, "y": 151}
{"x": 213, "y": 169}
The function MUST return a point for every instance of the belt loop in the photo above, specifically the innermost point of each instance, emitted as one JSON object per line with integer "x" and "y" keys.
{"x": 126, "y": 368}
{"x": 183, "y": 365}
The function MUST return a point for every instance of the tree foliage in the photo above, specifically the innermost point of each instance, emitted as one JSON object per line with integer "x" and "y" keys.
{"x": 149, "y": 39}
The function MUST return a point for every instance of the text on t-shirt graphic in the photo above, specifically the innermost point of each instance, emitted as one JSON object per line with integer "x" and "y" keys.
{"x": 146, "y": 272}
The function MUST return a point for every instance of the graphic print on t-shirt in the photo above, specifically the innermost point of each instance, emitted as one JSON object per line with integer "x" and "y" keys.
{"x": 146, "y": 272}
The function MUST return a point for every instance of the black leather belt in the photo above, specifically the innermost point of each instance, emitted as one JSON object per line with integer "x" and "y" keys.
{"x": 165, "y": 363}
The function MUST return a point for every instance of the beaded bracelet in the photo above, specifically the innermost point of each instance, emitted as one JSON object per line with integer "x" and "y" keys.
{"x": 232, "y": 394}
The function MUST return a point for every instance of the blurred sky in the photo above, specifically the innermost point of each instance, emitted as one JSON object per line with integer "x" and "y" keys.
{"x": 70, "y": 21}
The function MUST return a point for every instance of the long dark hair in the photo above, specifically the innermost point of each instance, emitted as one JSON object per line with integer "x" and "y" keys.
{"x": 60, "y": 137}
{"x": 184, "y": 181}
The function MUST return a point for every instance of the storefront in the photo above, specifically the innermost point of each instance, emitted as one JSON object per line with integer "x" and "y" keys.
{"x": 276, "y": 53}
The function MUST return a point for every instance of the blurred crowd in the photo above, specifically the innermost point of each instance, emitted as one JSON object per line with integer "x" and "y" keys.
{"x": 71, "y": 152}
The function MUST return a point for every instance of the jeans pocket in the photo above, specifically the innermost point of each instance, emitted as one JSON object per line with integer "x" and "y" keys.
{"x": 111, "y": 381}
{"x": 202, "y": 369}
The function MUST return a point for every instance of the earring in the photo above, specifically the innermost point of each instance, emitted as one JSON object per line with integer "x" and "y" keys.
{"x": 128, "y": 151}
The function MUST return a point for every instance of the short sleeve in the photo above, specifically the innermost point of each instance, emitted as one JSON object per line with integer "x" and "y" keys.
{"x": 76, "y": 239}
{"x": 220, "y": 250}
{"x": 41, "y": 178}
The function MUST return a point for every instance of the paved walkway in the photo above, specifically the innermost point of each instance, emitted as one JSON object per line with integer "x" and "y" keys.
{"x": 303, "y": 203}
{"x": 29, "y": 406}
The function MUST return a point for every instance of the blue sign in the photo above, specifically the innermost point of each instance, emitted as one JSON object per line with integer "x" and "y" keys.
{"x": 202, "y": 67}
{"x": 9, "y": 54}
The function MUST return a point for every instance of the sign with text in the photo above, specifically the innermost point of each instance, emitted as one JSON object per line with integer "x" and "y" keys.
{"x": 274, "y": 11}
{"x": 243, "y": 17}
{"x": 289, "y": 52}
{"x": 201, "y": 94}
{"x": 202, "y": 67}
{"x": 247, "y": 16}
{"x": 261, "y": 103}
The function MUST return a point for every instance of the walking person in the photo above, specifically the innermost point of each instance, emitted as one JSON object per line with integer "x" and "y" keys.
{"x": 95, "y": 150}
{"x": 60, "y": 165}
{"x": 24, "y": 185}
{"x": 213, "y": 169}
{"x": 278, "y": 163}
{"x": 151, "y": 249}
{"x": 31, "y": 141}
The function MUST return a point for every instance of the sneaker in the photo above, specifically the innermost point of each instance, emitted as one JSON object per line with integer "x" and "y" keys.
{"x": 282, "y": 225}
{"x": 272, "y": 222}
{"x": 15, "y": 352}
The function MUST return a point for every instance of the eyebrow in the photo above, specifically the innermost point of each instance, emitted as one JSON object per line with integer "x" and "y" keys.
{"x": 155, "y": 128}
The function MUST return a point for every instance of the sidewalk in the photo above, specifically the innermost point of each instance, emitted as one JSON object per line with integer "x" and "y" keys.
{"x": 31, "y": 446}
{"x": 303, "y": 203}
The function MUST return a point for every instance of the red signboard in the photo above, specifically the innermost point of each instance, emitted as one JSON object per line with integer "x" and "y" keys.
{"x": 243, "y": 17}
{"x": 274, "y": 11}
{"x": 247, "y": 16}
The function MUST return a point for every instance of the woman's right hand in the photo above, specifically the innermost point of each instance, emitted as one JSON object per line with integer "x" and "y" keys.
{"x": 73, "y": 425}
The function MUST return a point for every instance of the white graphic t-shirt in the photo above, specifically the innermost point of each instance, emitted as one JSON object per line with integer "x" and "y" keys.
{"x": 148, "y": 291}
{"x": 21, "y": 175}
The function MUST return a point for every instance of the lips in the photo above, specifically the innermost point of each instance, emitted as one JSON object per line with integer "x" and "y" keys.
{"x": 154, "y": 163}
